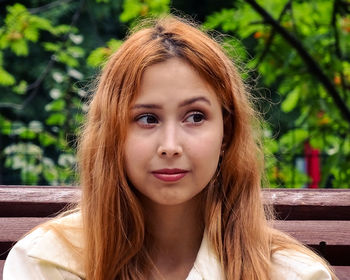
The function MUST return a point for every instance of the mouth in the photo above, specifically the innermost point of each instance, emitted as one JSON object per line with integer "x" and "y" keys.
{"x": 170, "y": 175}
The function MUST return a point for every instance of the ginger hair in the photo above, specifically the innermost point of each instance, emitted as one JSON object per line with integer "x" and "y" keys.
{"x": 234, "y": 215}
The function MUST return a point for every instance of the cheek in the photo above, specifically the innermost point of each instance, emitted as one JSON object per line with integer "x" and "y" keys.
{"x": 133, "y": 148}
{"x": 139, "y": 151}
{"x": 206, "y": 150}
{"x": 136, "y": 146}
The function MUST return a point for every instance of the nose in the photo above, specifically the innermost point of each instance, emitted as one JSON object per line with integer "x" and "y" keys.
{"x": 169, "y": 144}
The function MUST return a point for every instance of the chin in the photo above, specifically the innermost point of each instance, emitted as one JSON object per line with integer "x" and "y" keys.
{"x": 178, "y": 201}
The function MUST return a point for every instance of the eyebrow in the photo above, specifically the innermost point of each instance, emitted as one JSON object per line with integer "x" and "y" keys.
{"x": 182, "y": 104}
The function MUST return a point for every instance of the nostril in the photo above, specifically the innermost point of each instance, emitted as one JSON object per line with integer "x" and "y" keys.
{"x": 167, "y": 151}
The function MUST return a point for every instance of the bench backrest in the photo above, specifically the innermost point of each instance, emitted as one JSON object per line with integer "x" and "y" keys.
{"x": 317, "y": 218}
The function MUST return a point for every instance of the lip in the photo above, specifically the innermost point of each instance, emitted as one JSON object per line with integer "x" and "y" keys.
{"x": 170, "y": 174}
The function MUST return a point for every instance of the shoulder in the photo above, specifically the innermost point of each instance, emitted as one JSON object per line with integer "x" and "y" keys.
{"x": 51, "y": 251}
{"x": 291, "y": 264}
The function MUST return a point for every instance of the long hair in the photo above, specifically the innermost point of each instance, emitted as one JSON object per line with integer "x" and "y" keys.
{"x": 113, "y": 222}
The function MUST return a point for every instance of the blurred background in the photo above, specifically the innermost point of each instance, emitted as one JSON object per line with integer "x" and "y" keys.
{"x": 295, "y": 55}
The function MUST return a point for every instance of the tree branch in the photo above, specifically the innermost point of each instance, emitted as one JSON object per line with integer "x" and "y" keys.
{"x": 48, "y": 6}
{"x": 309, "y": 61}
{"x": 272, "y": 36}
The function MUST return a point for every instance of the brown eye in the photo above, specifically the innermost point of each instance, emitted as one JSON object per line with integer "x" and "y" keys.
{"x": 147, "y": 119}
{"x": 195, "y": 118}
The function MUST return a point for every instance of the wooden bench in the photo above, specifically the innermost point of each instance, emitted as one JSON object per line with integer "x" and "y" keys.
{"x": 318, "y": 218}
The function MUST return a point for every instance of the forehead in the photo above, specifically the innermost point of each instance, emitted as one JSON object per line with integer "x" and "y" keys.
{"x": 172, "y": 80}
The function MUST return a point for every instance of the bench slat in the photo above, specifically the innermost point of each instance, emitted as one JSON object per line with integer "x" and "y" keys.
{"x": 309, "y": 204}
{"x": 335, "y": 233}
{"x": 343, "y": 272}
{"x": 13, "y": 229}
{"x": 314, "y": 232}
{"x": 26, "y": 201}
{"x": 38, "y": 194}
{"x": 291, "y": 204}
{"x": 314, "y": 197}
{"x": 330, "y": 238}
{"x": 318, "y": 218}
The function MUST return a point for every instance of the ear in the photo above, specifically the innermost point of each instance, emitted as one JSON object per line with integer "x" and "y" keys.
{"x": 223, "y": 148}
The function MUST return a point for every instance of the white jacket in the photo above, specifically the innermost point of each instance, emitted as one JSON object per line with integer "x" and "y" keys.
{"x": 42, "y": 255}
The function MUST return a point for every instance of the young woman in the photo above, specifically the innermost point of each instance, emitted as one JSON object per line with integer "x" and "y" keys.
{"x": 171, "y": 172}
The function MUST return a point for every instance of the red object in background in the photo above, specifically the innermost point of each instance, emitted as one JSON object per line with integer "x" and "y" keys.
{"x": 312, "y": 158}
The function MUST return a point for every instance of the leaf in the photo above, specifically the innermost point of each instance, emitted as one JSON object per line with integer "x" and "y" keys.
{"x": 290, "y": 101}
{"x": 293, "y": 138}
{"x": 31, "y": 33}
{"x": 30, "y": 175}
{"x": 6, "y": 79}
{"x": 222, "y": 19}
{"x": 76, "y": 51}
{"x": 46, "y": 139}
{"x": 20, "y": 47}
{"x": 5, "y": 126}
{"x": 27, "y": 134}
{"x": 100, "y": 55}
{"x": 158, "y": 7}
{"x": 41, "y": 23}
{"x": 61, "y": 29}
{"x": 316, "y": 142}
{"x": 56, "y": 105}
{"x": 114, "y": 44}
{"x": 56, "y": 119}
{"x": 131, "y": 10}
{"x": 20, "y": 88}
{"x": 67, "y": 59}
{"x": 51, "y": 47}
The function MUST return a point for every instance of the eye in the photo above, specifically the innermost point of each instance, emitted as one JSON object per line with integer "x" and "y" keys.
{"x": 146, "y": 120}
{"x": 195, "y": 118}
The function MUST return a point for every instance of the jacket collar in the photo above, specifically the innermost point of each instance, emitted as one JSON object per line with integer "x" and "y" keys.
{"x": 53, "y": 249}
{"x": 206, "y": 265}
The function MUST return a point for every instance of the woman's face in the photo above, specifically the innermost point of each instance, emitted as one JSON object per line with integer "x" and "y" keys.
{"x": 175, "y": 134}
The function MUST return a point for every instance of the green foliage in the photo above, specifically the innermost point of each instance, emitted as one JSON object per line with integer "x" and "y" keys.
{"x": 48, "y": 56}
{"x": 6, "y": 79}
{"x": 21, "y": 27}
{"x": 133, "y": 9}
{"x": 306, "y": 112}
{"x": 20, "y": 88}
{"x": 291, "y": 100}
{"x": 100, "y": 55}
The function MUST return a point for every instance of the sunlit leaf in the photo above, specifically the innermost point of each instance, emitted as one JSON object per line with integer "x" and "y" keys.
{"x": 291, "y": 100}
{"x": 6, "y": 79}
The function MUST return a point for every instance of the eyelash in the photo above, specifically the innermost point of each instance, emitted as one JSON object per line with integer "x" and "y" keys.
{"x": 194, "y": 113}
{"x": 156, "y": 120}
{"x": 145, "y": 124}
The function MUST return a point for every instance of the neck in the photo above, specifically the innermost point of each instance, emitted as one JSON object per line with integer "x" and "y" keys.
{"x": 175, "y": 231}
